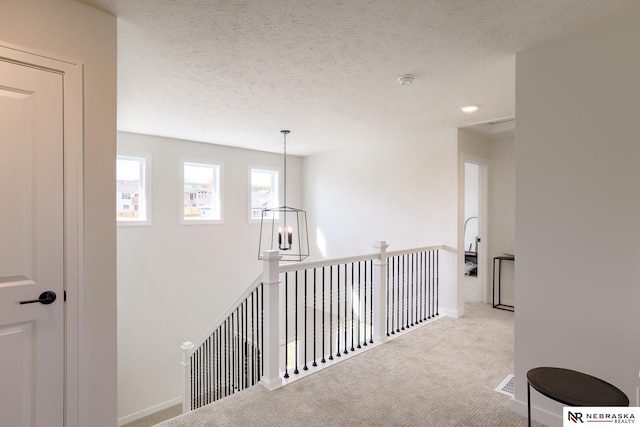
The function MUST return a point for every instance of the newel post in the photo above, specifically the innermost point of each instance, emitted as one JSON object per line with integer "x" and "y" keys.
{"x": 186, "y": 385}
{"x": 271, "y": 280}
{"x": 380, "y": 293}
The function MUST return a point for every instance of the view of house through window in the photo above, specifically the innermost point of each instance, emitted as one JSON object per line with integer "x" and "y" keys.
{"x": 131, "y": 196}
{"x": 264, "y": 191}
{"x": 201, "y": 198}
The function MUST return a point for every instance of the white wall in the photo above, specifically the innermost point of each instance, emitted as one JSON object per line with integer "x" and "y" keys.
{"x": 72, "y": 30}
{"x": 502, "y": 211}
{"x": 175, "y": 281}
{"x": 404, "y": 193}
{"x": 577, "y": 207}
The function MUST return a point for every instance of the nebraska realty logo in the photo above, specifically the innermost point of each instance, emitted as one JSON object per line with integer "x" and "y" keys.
{"x": 604, "y": 416}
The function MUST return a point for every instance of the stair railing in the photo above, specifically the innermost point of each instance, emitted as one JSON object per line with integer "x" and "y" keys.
{"x": 322, "y": 310}
{"x": 228, "y": 357}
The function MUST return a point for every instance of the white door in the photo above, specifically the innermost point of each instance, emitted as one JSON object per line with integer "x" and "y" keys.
{"x": 31, "y": 246}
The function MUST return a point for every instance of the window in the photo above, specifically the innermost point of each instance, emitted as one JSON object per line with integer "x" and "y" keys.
{"x": 201, "y": 201}
{"x": 264, "y": 192}
{"x": 133, "y": 189}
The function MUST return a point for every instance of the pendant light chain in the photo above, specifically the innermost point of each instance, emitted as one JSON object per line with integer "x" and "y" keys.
{"x": 284, "y": 133}
{"x": 285, "y": 233}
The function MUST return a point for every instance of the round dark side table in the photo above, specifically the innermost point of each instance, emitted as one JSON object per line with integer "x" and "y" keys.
{"x": 572, "y": 388}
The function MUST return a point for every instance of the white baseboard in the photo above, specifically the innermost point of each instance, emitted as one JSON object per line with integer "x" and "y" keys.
{"x": 449, "y": 313}
{"x": 272, "y": 385}
{"x": 539, "y": 415}
{"x": 152, "y": 410}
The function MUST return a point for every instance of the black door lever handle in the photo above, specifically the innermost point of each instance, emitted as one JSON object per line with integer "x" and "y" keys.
{"x": 46, "y": 297}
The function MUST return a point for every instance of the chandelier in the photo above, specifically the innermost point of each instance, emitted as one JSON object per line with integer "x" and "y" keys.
{"x": 284, "y": 228}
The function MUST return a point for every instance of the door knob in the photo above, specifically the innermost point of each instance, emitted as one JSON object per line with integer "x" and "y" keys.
{"x": 46, "y": 297}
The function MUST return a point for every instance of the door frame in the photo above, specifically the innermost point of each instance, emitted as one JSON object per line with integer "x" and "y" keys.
{"x": 483, "y": 212}
{"x": 73, "y": 235}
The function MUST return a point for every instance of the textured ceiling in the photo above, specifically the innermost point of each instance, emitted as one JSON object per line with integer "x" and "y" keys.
{"x": 236, "y": 72}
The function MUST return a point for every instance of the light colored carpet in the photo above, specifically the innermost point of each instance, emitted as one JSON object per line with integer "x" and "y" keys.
{"x": 442, "y": 374}
{"x": 157, "y": 417}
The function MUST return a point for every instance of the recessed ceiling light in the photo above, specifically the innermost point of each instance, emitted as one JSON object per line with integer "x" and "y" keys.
{"x": 469, "y": 108}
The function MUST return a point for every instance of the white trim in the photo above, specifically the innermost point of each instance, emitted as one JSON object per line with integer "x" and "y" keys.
{"x": 149, "y": 411}
{"x": 540, "y": 415}
{"x": 148, "y": 173}
{"x": 503, "y": 384}
{"x": 37, "y": 58}
{"x": 447, "y": 312}
{"x": 220, "y": 171}
{"x": 264, "y": 168}
{"x": 74, "y": 242}
{"x": 72, "y": 74}
{"x": 483, "y": 229}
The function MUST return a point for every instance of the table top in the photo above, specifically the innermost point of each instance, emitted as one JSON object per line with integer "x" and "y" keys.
{"x": 575, "y": 388}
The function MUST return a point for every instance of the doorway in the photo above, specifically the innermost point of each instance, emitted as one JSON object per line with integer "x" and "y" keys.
{"x": 474, "y": 230}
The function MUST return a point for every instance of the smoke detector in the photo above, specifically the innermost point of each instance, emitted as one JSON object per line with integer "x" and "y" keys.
{"x": 406, "y": 79}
